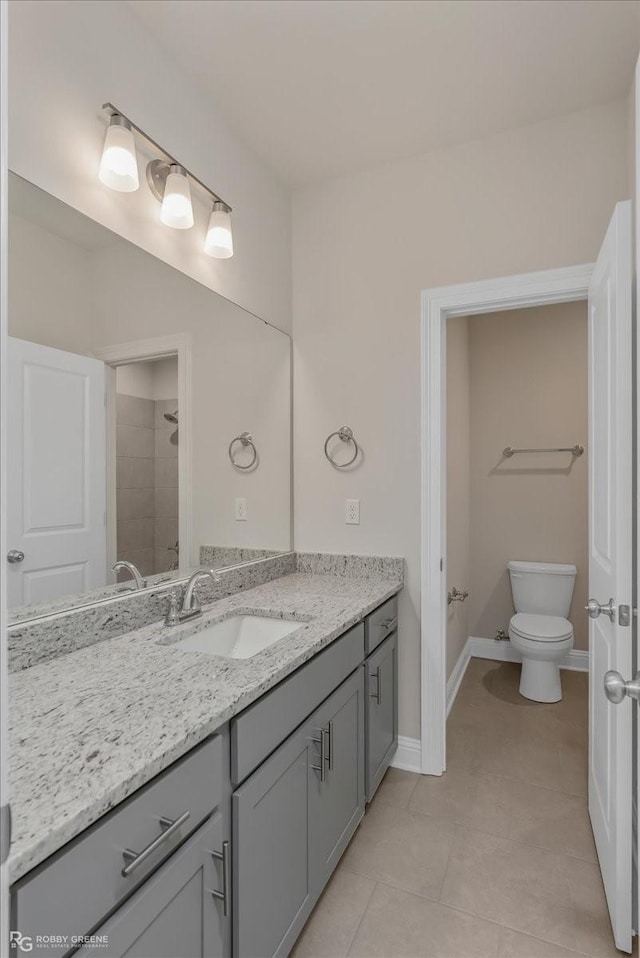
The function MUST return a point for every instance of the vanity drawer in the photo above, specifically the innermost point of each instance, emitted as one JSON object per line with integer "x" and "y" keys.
{"x": 380, "y": 624}
{"x": 261, "y": 728}
{"x": 71, "y": 893}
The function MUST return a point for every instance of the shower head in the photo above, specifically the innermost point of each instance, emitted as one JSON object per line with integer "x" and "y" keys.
{"x": 172, "y": 417}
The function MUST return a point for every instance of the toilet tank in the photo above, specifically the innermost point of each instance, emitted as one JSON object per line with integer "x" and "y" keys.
{"x": 542, "y": 588}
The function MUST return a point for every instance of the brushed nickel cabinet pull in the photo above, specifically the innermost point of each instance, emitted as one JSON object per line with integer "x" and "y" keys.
{"x": 377, "y": 695}
{"x": 329, "y": 734}
{"x": 135, "y": 859}
{"x": 223, "y": 895}
{"x": 322, "y": 767}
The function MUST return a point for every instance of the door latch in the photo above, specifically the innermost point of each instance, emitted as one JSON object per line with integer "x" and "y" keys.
{"x": 624, "y": 615}
{"x": 594, "y": 609}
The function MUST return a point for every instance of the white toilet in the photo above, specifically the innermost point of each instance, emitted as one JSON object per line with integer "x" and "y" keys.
{"x": 540, "y": 629}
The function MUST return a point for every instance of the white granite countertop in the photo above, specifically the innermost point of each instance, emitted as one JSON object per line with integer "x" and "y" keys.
{"x": 92, "y": 726}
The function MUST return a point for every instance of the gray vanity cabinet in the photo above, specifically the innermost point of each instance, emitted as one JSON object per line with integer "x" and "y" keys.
{"x": 291, "y": 821}
{"x": 174, "y": 912}
{"x": 337, "y": 803}
{"x": 271, "y": 865}
{"x": 381, "y": 679}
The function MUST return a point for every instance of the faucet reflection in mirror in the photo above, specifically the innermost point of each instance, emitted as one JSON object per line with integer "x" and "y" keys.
{"x": 167, "y": 179}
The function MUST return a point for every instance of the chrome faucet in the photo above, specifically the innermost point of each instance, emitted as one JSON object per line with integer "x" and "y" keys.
{"x": 190, "y": 605}
{"x": 140, "y": 583}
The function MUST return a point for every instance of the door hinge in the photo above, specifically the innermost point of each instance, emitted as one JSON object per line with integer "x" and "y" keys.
{"x": 5, "y": 832}
{"x": 441, "y": 564}
{"x": 624, "y": 615}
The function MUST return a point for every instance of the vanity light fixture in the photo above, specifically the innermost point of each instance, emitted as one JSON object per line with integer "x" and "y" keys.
{"x": 119, "y": 165}
{"x": 219, "y": 240}
{"x": 168, "y": 180}
{"x": 177, "y": 210}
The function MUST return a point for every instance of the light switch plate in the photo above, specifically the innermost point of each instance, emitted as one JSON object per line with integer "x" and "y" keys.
{"x": 352, "y": 512}
{"x": 241, "y": 510}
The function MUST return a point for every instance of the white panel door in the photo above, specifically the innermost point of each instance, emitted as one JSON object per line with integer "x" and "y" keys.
{"x": 610, "y": 567}
{"x": 56, "y": 481}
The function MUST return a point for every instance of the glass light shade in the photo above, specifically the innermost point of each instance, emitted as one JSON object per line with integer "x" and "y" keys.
{"x": 219, "y": 240}
{"x": 177, "y": 210}
{"x": 118, "y": 166}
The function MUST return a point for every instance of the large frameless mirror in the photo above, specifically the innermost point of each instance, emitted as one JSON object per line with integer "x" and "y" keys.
{"x": 150, "y": 418}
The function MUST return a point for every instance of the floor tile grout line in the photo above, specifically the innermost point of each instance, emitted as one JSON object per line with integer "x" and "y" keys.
{"x": 520, "y": 781}
{"x": 484, "y": 831}
{"x": 402, "y": 888}
{"x": 516, "y": 841}
{"x": 362, "y": 916}
{"x": 461, "y": 911}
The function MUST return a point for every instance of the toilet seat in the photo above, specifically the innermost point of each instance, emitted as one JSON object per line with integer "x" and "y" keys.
{"x": 541, "y": 628}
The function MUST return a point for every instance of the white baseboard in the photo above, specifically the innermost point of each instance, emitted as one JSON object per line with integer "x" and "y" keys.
{"x": 408, "y": 754}
{"x": 576, "y": 660}
{"x": 457, "y": 675}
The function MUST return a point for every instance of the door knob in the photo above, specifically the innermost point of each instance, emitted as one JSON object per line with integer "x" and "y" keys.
{"x": 615, "y": 687}
{"x": 594, "y": 609}
{"x": 15, "y": 555}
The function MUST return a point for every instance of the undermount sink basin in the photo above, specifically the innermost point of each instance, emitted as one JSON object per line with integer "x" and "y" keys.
{"x": 240, "y": 636}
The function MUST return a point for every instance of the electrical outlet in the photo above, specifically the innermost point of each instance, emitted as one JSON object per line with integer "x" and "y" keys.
{"x": 241, "y": 510}
{"x": 352, "y": 512}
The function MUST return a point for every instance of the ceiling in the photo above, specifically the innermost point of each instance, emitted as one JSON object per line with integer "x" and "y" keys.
{"x": 319, "y": 88}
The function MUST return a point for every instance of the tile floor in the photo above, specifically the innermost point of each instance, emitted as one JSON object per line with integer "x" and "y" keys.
{"x": 495, "y": 859}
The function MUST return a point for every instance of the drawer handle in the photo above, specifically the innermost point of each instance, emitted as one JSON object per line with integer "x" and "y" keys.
{"x": 377, "y": 695}
{"x": 322, "y": 767}
{"x": 223, "y": 895}
{"x": 388, "y": 625}
{"x": 135, "y": 859}
{"x": 329, "y": 733}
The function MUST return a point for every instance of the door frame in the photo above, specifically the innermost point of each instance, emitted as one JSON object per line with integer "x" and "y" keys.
{"x": 148, "y": 350}
{"x": 544, "y": 288}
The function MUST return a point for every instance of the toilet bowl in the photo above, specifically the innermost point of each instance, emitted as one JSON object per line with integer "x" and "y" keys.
{"x": 540, "y": 629}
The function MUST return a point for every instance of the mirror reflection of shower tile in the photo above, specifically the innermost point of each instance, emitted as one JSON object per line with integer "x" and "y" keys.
{"x": 165, "y": 533}
{"x": 166, "y": 503}
{"x": 135, "y": 534}
{"x": 137, "y": 473}
{"x": 134, "y": 441}
{"x": 166, "y": 472}
{"x": 166, "y": 445}
{"x": 133, "y": 411}
{"x": 136, "y": 504}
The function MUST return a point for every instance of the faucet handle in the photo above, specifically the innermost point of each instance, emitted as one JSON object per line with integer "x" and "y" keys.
{"x": 172, "y": 617}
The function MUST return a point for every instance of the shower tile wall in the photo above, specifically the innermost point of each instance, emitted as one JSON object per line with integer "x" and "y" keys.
{"x": 135, "y": 481}
{"x": 165, "y": 486}
{"x": 146, "y": 483}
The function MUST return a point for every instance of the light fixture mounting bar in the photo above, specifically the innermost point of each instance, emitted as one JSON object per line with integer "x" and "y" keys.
{"x": 113, "y": 110}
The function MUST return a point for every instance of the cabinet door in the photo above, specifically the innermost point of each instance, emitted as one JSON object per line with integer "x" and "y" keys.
{"x": 381, "y": 670}
{"x": 336, "y": 798}
{"x": 271, "y": 869}
{"x": 174, "y": 912}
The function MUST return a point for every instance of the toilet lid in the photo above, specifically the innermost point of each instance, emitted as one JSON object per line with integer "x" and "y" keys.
{"x": 541, "y": 628}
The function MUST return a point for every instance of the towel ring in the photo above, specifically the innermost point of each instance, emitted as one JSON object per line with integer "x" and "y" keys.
{"x": 346, "y": 435}
{"x": 247, "y": 440}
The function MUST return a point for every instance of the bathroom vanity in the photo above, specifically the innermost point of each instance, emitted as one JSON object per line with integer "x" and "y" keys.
{"x": 226, "y": 850}
{"x": 181, "y": 784}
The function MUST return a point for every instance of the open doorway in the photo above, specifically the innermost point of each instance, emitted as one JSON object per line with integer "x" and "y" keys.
{"x": 146, "y": 451}
{"x": 606, "y": 286}
{"x": 517, "y": 378}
